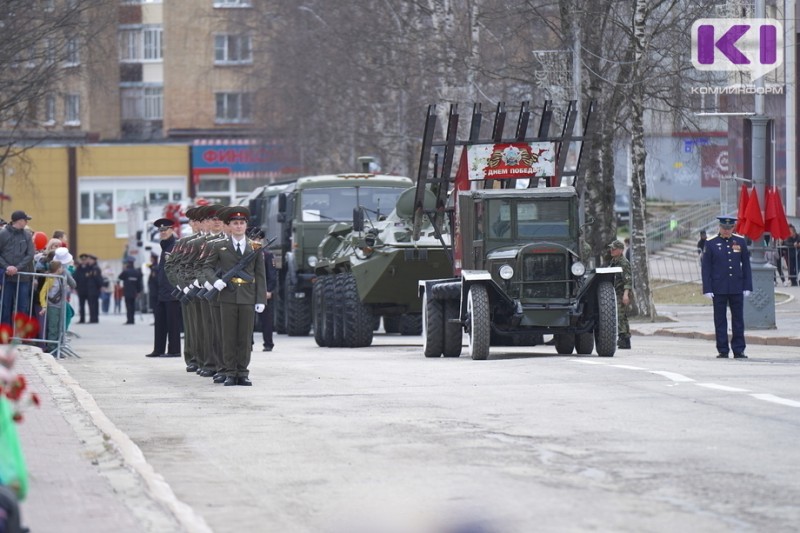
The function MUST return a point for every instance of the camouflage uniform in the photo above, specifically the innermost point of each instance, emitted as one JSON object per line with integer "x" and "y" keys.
{"x": 622, "y": 282}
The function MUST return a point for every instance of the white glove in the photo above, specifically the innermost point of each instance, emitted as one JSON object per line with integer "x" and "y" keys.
{"x": 709, "y": 295}
{"x": 208, "y": 286}
{"x": 196, "y": 283}
{"x": 186, "y": 290}
{"x": 746, "y": 293}
{"x": 260, "y": 308}
{"x": 219, "y": 285}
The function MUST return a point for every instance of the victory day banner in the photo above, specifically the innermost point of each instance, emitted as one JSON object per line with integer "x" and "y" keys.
{"x": 511, "y": 160}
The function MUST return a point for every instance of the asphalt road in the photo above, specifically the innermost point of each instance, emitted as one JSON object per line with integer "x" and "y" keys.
{"x": 663, "y": 437}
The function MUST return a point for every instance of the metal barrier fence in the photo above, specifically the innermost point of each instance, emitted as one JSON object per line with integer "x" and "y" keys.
{"x": 19, "y": 294}
{"x": 680, "y": 225}
{"x": 682, "y": 265}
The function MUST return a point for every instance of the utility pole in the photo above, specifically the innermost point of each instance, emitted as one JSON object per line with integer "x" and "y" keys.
{"x": 759, "y": 308}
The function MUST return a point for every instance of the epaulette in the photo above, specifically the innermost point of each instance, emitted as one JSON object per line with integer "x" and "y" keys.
{"x": 737, "y": 235}
{"x": 712, "y": 238}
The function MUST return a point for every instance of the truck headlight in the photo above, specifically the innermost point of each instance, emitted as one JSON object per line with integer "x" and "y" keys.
{"x": 312, "y": 261}
{"x": 506, "y": 272}
{"x": 578, "y": 269}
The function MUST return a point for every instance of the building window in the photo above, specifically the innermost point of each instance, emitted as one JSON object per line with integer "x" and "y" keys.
{"x": 127, "y": 203}
{"x": 141, "y": 43}
{"x": 72, "y": 110}
{"x": 49, "y": 51}
{"x": 233, "y": 107}
{"x": 49, "y": 110}
{"x": 233, "y": 3}
{"x": 73, "y": 53}
{"x": 97, "y": 205}
{"x": 152, "y": 44}
{"x": 234, "y": 49}
{"x": 142, "y": 103}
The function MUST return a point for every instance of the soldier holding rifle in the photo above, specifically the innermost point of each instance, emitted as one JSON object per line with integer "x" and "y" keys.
{"x": 240, "y": 297}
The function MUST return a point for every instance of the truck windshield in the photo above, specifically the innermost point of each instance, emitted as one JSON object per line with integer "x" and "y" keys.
{"x": 529, "y": 219}
{"x": 337, "y": 203}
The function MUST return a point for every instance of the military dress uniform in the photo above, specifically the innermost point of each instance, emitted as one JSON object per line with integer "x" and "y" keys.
{"x": 727, "y": 279}
{"x": 166, "y": 308}
{"x": 132, "y": 286}
{"x": 238, "y": 298}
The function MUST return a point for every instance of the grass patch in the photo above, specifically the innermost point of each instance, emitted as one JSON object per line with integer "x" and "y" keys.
{"x": 687, "y": 294}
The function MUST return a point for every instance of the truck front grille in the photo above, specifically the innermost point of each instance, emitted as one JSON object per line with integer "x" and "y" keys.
{"x": 545, "y": 276}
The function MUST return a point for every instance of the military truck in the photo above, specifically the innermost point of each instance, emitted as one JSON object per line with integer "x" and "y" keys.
{"x": 370, "y": 268}
{"x": 521, "y": 266}
{"x": 299, "y": 214}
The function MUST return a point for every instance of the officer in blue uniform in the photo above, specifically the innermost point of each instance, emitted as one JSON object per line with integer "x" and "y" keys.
{"x": 727, "y": 280}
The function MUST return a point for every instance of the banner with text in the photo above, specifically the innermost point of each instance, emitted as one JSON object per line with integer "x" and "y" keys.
{"x": 511, "y": 160}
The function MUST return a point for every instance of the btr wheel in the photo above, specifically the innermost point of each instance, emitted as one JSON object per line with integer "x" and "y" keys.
{"x": 565, "y": 343}
{"x": 605, "y": 330}
{"x": 331, "y": 337}
{"x": 357, "y": 323}
{"x": 584, "y": 343}
{"x": 432, "y": 326}
{"x": 391, "y": 324}
{"x": 298, "y": 311}
{"x": 318, "y": 312}
{"x": 452, "y": 330}
{"x": 410, "y": 324}
{"x": 478, "y": 320}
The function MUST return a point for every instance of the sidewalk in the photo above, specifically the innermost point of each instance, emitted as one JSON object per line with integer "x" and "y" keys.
{"x": 697, "y": 322}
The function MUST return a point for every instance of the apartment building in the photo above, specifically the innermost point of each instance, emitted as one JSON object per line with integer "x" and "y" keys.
{"x": 138, "y": 79}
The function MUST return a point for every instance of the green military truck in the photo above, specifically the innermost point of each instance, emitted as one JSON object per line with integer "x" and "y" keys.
{"x": 299, "y": 214}
{"x": 521, "y": 266}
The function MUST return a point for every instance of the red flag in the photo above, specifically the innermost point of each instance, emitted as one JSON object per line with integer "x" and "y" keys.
{"x": 754, "y": 222}
{"x": 770, "y": 211}
{"x": 741, "y": 218}
{"x": 780, "y": 227}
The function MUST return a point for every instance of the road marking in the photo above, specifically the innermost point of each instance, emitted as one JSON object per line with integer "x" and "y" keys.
{"x": 680, "y": 378}
{"x": 776, "y": 399}
{"x": 677, "y": 378}
{"x": 721, "y": 387}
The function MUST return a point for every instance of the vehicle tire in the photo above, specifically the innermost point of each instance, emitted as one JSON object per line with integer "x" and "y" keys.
{"x": 280, "y": 311}
{"x": 528, "y": 339}
{"x": 584, "y": 343}
{"x": 410, "y": 324}
{"x": 453, "y": 331}
{"x": 432, "y": 326}
{"x": 329, "y": 313}
{"x": 298, "y": 312}
{"x": 357, "y": 323}
{"x": 605, "y": 330}
{"x": 391, "y": 324}
{"x": 565, "y": 343}
{"x": 318, "y": 295}
{"x": 479, "y": 321}
{"x": 338, "y": 310}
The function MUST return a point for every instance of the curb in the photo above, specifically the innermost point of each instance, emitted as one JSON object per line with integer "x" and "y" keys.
{"x": 749, "y": 338}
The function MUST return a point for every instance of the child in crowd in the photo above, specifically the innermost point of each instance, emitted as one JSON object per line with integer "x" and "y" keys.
{"x": 52, "y": 299}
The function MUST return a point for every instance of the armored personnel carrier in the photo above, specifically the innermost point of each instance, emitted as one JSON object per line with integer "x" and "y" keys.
{"x": 371, "y": 268}
{"x": 297, "y": 214}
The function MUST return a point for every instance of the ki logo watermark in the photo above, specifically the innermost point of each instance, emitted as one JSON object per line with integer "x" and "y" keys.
{"x": 743, "y": 44}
